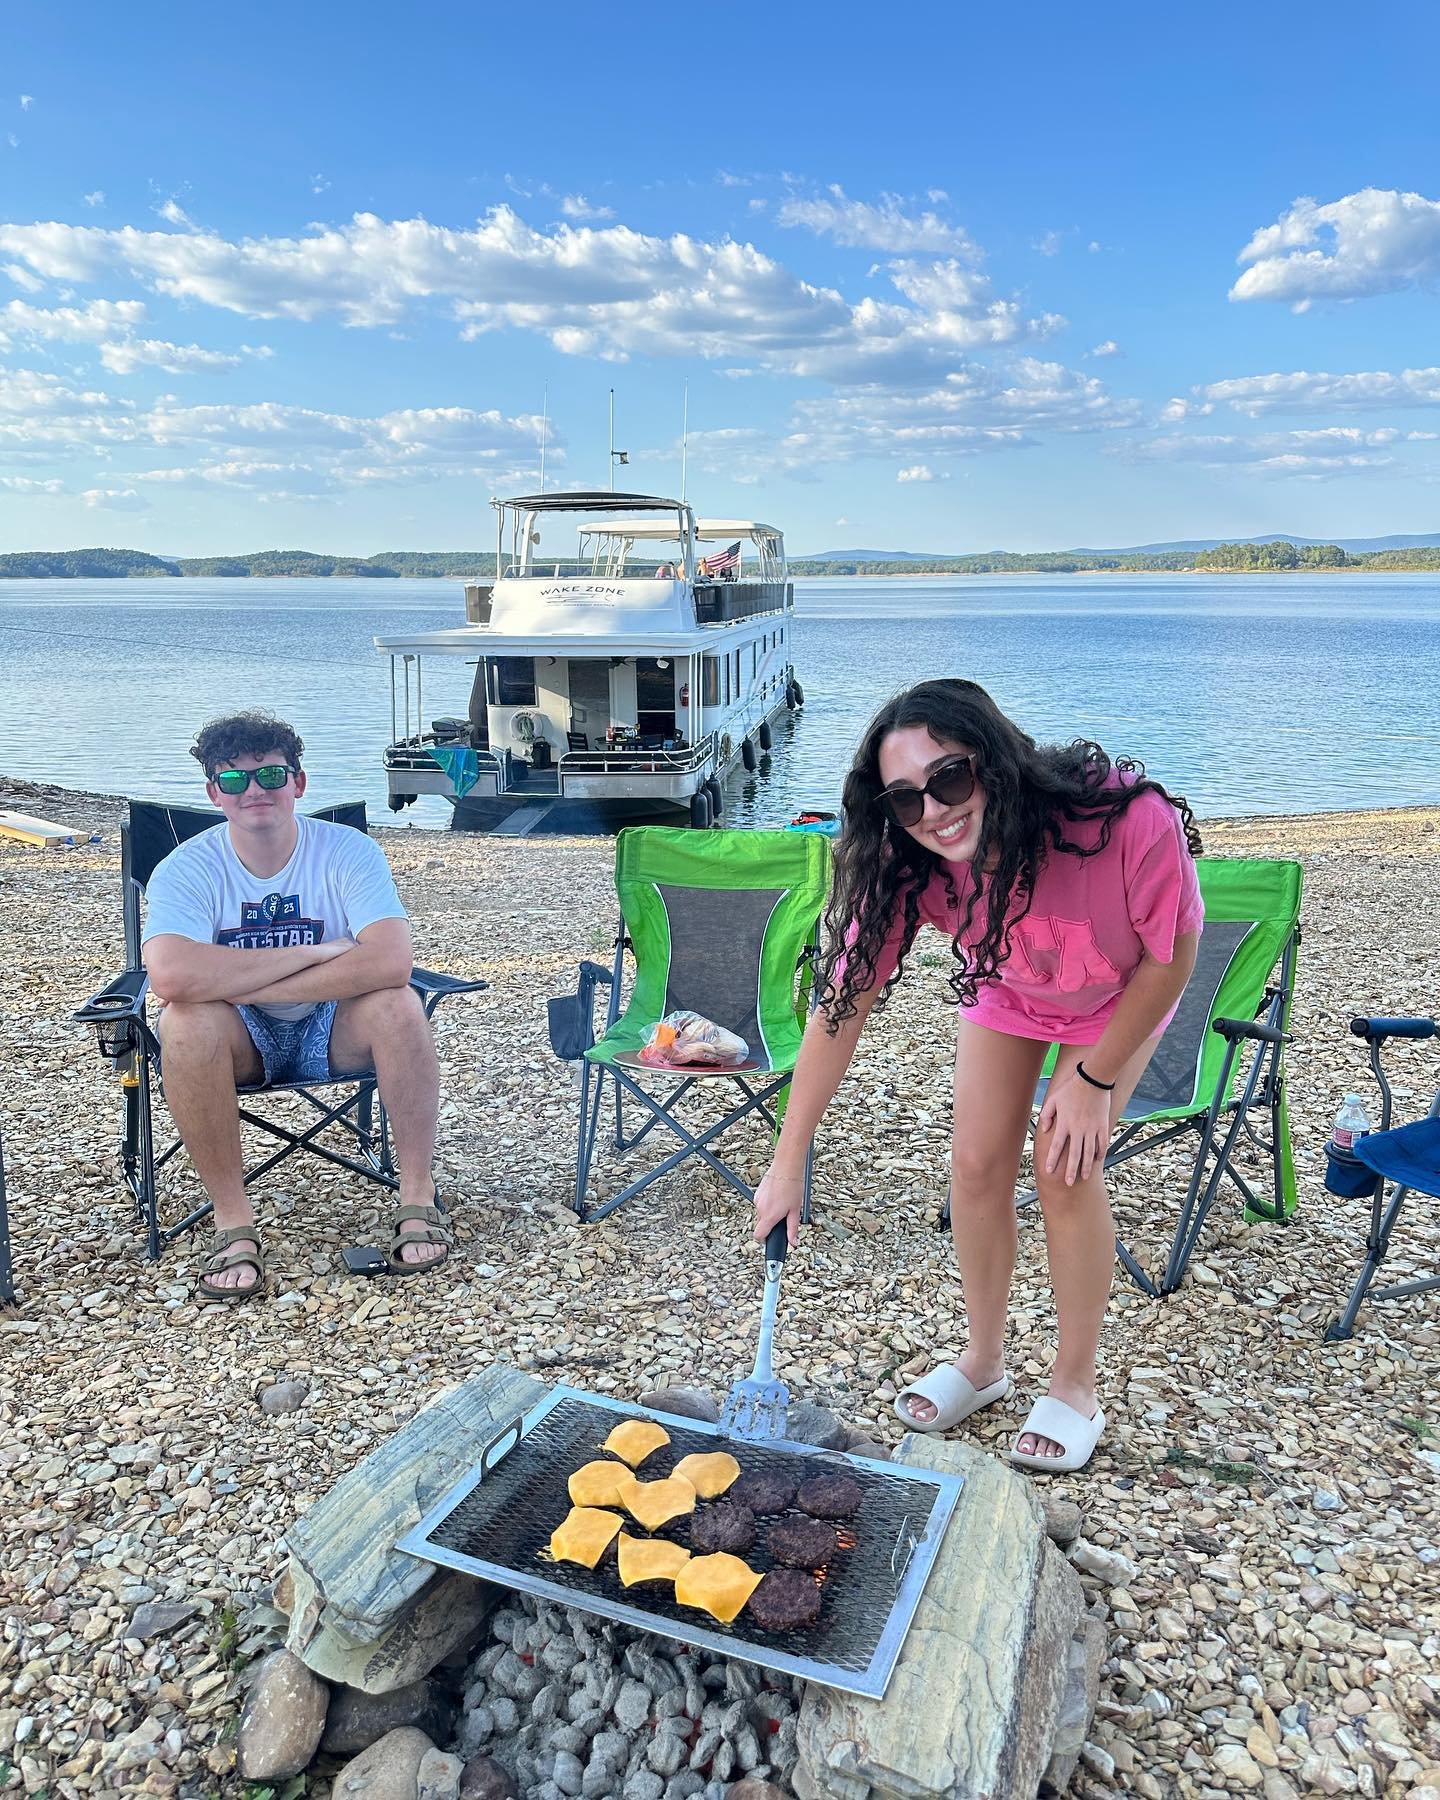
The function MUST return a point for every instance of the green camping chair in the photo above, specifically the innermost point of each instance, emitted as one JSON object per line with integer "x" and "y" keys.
{"x": 722, "y": 923}
{"x": 1199, "y": 1080}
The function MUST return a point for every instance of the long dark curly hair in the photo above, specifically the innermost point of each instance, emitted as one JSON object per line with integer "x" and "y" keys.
{"x": 1032, "y": 792}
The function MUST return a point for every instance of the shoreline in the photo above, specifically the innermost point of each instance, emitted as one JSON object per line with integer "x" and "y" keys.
{"x": 1421, "y": 818}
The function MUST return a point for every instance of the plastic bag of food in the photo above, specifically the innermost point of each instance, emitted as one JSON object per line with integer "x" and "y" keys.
{"x": 686, "y": 1040}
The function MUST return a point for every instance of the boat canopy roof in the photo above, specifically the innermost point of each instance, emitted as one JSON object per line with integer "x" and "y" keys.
{"x": 705, "y": 529}
{"x": 599, "y": 501}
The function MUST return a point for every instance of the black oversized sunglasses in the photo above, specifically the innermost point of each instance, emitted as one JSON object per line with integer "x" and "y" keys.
{"x": 270, "y": 777}
{"x": 952, "y": 784}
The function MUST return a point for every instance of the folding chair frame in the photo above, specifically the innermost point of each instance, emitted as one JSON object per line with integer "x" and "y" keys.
{"x": 1384, "y": 1214}
{"x": 7, "y": 1271}
{"x": 126, "y": 1038}
{"x": 661, "y": 1110}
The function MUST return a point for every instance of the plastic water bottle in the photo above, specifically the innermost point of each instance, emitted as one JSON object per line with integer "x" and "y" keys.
{"x": 1351, "y": 1122}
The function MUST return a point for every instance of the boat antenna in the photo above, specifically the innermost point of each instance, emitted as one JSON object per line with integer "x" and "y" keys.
{"x": 612, "y": 440}
{"x": 544, "y": 422}
{"x": 684, "y": 438}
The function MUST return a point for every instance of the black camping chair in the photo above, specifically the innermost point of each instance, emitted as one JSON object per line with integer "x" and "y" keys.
{"x": 1407, "y": 1157}
{"x": 126, "y": 1038}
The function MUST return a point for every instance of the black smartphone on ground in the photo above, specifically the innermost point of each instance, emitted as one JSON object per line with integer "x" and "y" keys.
{"x": 364, "y": 1259}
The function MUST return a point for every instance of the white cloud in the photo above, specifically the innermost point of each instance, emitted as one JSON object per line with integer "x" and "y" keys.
{"x": 95, "y": 198}
{"x": 576, "y": 206}
{"x": 12, "y": 140}
{"x": 1375, "y": 241}
{"x": 602, "y": 291}
{"x": 1334, "y": 450}
{"x": 25, "y": 484}
{"x": 111, "y": 325}
{"x": 115, "y": 500}
{"x": 174, "y": 214}
{"x": 916, "y": 472}
{"x": 1108, "y": 348}
{"x": 1179, "y": 408}
{"x": 887, "y": 226}
{"x": 1303, "y": 391}
{"x": 318, "y": 184}
{"x": 1050, "y": 244}
{"x": 24, "y": 280}
{"x": 26, "y": 102}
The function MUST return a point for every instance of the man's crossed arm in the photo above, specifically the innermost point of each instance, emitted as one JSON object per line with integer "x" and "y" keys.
{"x": 180, "y": 969}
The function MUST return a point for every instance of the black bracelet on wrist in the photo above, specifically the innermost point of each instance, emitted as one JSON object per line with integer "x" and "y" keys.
{"x": 1085, "y": 1075}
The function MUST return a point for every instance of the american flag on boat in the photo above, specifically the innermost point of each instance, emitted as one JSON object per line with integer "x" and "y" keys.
{"x": 724, "y": 562}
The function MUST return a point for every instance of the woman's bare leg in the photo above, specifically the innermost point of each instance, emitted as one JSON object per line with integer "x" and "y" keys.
{"x": 1080, "y": 1246}
{"x": 995, "y": 1078}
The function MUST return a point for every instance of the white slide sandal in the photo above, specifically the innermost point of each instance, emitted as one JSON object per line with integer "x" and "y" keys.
{"x": 953, "y": 1395}
{"x": 1053, "y": 1419}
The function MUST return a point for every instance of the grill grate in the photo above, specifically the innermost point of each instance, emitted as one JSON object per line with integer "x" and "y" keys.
{"x": 496, "y": 1523}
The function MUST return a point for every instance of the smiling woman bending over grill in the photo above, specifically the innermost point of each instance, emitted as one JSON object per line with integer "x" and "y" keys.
{"x": 1066, "y": 885}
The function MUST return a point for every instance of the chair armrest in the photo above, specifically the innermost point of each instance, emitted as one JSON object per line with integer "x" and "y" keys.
{"x": 1250, "y": 1028}
{"x": 123, "y": 998}
{"x": 595, "y": 973}
{"x": 427, "y": 981}
{"x": 1376, "y": 1030}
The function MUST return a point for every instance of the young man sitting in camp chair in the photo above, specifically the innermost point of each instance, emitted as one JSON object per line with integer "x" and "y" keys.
{"x": 280, "y": 951}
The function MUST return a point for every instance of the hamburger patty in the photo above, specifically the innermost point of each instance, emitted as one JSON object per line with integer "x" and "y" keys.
{"x": 785, "y": 1600}
{"x": 728, "y": 1526}
{"x": 830, "y": 1496}
{"x": 802, "y": 1543}
{"x": 764, "y": 1492}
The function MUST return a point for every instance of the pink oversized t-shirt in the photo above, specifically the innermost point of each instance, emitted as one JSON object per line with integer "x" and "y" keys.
{"x": 1091, "y": 921}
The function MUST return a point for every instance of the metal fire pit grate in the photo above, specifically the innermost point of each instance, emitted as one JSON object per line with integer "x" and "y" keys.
{"x": 496, "y": 1523}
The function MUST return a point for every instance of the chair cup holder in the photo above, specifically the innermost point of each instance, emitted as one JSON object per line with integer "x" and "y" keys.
{"x": 1347, "y": 1176}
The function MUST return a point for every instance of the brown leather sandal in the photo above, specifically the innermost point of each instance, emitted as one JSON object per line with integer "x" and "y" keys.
{"x": 223, "y": 1257}
{"x": 435, "y": 1230}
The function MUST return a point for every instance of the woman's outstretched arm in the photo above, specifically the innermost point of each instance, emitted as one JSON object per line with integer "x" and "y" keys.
{"x": 819, "y": 1069}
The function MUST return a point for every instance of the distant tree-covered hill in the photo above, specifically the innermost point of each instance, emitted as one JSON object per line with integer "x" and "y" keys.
{"x": 89, "y": 565}
{"x": 1251, "y": 556}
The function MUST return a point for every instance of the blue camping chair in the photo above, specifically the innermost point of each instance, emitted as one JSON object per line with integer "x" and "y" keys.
{"x": 1408, "y": 1158}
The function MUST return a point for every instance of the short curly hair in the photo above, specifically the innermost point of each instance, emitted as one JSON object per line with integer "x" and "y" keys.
{"x": 220, "y": 741}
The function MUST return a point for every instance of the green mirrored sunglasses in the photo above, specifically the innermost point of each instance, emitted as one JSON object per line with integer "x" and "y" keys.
{"x": 235, "y": 781}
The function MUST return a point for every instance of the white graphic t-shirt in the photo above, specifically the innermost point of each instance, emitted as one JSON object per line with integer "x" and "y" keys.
{"x": 335, "y": 884}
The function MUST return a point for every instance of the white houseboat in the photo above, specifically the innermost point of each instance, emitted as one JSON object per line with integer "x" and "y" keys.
{"x": 627, "y": 654}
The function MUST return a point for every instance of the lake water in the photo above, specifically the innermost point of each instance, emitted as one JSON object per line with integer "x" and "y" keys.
{"x": 1250, "y": 694}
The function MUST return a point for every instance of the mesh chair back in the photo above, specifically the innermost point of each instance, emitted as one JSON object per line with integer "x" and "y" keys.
{"x": 1252, "y": 912}
{"x": 1252, "y": 909}
{"x": 153, "y": 831}
{"x": 718, "y": 921}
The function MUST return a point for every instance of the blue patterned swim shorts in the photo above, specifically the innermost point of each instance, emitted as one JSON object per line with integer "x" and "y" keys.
{"x": 292, "y": 1049}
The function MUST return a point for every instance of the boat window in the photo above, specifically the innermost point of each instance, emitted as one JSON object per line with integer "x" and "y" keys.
{"x": 512, "y": 680}
{"x": 727, "y": 677}
{"x": 712, "y": 681}
{"x": 754, "y": 658}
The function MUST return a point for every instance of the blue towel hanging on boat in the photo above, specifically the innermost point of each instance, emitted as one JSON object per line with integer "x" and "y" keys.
{"x": 460, "y": 763}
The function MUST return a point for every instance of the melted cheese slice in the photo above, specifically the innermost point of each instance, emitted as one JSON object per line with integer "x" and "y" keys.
{"x": 719, "y": 1585}
{"x": 636, "y": 1439}
{"x": 650, "y": 1559}
{"x": 584, "y": 1535}
{"x": 709, "y": 1474}
{"x": 598, "y": 1483}
{"x": 655, "y": 1503}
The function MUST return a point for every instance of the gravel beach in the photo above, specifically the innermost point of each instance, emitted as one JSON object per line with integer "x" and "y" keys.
{"x": 1262, "y": 1520}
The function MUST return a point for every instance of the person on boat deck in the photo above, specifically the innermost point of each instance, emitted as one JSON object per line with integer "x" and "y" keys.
{"x": 1066, "y": 885}
{"x": 280, "y": 951}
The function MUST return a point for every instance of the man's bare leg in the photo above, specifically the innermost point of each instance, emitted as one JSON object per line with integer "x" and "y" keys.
{"x": 388, "y": 1031}
{"x": 206, "y": 1055}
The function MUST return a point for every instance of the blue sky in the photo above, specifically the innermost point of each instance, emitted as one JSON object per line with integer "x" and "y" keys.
{"x": 937, "y": 279}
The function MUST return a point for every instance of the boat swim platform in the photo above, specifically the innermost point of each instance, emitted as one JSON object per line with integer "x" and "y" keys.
{"x": 546, "y": 815}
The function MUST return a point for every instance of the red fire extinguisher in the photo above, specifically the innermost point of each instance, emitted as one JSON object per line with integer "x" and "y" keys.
{"x": 684, "y": 693}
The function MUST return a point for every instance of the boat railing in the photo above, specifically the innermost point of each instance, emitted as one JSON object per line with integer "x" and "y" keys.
{"x": 717, "y": 602}
{"x": 630, "y": 759}
{"x": 414, "y": 753}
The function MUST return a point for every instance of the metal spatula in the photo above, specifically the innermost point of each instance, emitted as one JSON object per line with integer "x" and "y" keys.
{"x": 756, "y": 1407}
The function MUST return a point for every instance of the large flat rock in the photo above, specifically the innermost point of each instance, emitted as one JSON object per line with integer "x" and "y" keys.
{"x": 363, "y": 1612}
{"x": 972, "y": 1708}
